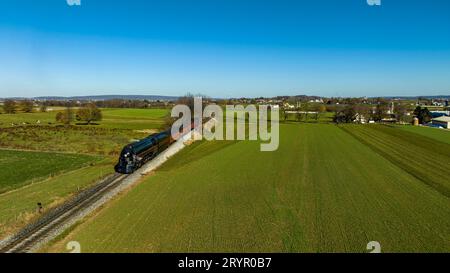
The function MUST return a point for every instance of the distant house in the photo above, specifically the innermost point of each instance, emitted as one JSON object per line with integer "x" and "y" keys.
{"x": 288, "y": 106}
{"x": 389, "y": 120}
{"x": 443, "y": 122}
{"x": 359, "y": 118}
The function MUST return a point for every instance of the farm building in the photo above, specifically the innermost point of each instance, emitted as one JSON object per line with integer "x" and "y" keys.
{"x": 436, "y": 114}
{"x": 443, "y": 121}
{"x": 359, "y": 118}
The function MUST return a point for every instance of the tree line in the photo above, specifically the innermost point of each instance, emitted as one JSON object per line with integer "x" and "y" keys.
{"x": 113, "y": 103}
{"x": 27, "y": 106}
{"x": 351, "y": 112}
{"x": 86, "y": 114}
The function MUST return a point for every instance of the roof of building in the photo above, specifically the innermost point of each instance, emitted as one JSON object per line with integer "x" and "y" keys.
{"x": 442, "y": 119}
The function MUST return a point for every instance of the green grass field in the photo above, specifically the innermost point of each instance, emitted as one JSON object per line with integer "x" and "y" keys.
{"x": 424, "y": 158}
{"x": 323, "y": 190}
{"x": 325, "y": 117}
{"x": 73, "y": 139}
{"x": 18, "y": 207}
{"x": 434, "y": 133}
{"x": 133, "y": 114}
{"x": 6, "y": 120}
{"x": 133, "y": 119}
{"x": 50, "y": 178}
{"x": 19, "y": 168}
{"x": 118, "y": 128}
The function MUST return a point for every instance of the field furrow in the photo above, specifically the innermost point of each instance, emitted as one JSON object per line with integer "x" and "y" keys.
{"x": 427, "y": 160}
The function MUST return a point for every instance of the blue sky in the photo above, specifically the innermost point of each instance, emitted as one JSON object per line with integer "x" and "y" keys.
{"x": 224, "y": 48}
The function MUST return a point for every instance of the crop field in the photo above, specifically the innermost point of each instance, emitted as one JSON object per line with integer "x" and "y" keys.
{"x": 424, "y": 158}
{"x": 64, "y": 160}
{"x": 325, "y": 117}
{"x": 326, "y": 189}
{"x": 72, "y": 139}
{"x": 19, "y": 168}
{"x": 9, "y": 120}
{"x": 119, "y": 113}
{"x": 136, "y": 119}
{"x": 118, "y": 127}
{"x": 20, "y": 206}
{"x": 112, "y": 118}
{"x": 434, "y": 133}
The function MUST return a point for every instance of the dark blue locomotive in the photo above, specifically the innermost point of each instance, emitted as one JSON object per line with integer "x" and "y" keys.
{"x": 134, "y": 155}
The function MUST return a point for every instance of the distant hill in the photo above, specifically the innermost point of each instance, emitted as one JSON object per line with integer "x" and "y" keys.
{"x": 309, "y": 97}
{"x": 110, "y": 97}
{"x": 416, "y": 97}
{"x": 173, "y": 98}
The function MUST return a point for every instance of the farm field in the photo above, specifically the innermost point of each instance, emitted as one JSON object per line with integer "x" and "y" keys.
{"x": 424, "y": 158}
{"x": 323, "y": 190}
{"x": 20, "y": 206}
{"x": 134, "y": 119}
{"x": 118, "y": 127}
{"x": 6, "y": 120}
{"x": 19, "y": 168}
{"x": 325, "y": 117}
{"x": 46, "y": 162}
{"x": 434, "y": 133}
{"x": 72, "y": 139}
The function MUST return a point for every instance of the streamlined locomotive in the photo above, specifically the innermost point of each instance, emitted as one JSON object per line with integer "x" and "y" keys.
{"x": 134, "y": 155}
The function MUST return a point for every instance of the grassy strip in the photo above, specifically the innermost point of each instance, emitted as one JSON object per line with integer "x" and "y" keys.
{"x": 20, "y": 168}
{"x": 19, "y": 207}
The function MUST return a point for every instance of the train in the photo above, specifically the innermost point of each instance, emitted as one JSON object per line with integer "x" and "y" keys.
{"x": 136, "y": 154}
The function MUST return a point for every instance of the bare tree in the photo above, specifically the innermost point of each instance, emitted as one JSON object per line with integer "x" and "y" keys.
{"x": 400, "y": 111}
{"x": 187, "y": 100}
{"x": 9, "y": 106}
{"x": 43, "y": 107}
{"x": 299, "y": 116}
{"x": 380, "y": 111}
{"x": 345, "y": 115}
{"x": 65, "y": 117}
{"x": 305, "y": 108}
{"x": 27, "y": 106}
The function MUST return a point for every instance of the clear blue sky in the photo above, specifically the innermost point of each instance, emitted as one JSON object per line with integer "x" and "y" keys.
{"x": 224, "y": 48}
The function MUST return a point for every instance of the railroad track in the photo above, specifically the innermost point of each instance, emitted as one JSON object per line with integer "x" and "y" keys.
{"x": 30, "y": 236}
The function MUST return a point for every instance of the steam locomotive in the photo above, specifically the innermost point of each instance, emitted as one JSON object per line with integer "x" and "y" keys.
{"x": 134, "y": 155}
